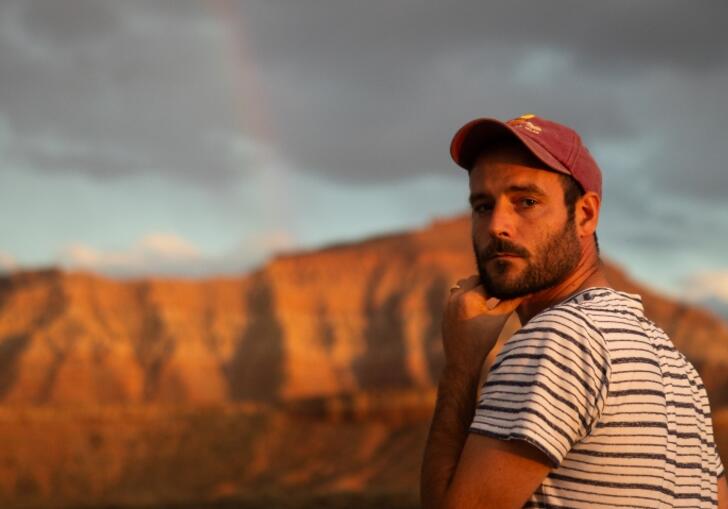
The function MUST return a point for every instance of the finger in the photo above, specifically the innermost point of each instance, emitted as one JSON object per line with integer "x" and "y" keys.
{"x": 505, "y": 306}
{"x": 470, "y": 282}
{"x": 494, "y": 302}
{"x": 458, "y": 286}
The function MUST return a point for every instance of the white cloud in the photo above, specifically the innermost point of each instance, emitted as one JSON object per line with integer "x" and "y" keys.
{"x": 153, "y": 253}
{"x": 166, "y": 245}
{"x": 7, "y": 262}
{"x": 707, "y": 285}
{"x": 272, "y": 241}
{"x": 252, "y": 251}
{"x": 168, "y": 254}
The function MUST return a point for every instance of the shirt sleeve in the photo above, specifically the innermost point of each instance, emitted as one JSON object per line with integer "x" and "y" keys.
{"x": 719, "y": 469}
{"x": 548, "y": 384}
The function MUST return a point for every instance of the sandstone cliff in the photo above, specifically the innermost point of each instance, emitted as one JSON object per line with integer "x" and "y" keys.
{"x": 346, "y": 318}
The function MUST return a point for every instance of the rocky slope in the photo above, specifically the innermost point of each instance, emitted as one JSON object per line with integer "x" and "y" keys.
{"x": 363, "y": 316}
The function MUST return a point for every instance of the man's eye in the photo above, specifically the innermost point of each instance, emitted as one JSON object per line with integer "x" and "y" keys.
{"x": 482, "y": 208}
{"x": 528, "y": 202}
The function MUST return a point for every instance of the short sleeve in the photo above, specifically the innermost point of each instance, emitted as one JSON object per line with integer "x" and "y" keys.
{"x": 719, "y": 469}
{"x": 548, "y": 384}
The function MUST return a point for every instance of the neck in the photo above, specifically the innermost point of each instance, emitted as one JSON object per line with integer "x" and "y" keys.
{"x": 588, "y": 273}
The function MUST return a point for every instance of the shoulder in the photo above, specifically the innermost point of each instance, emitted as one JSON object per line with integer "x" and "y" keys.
{"x": 562, "y": 337}
{"x": 566, "y": 323}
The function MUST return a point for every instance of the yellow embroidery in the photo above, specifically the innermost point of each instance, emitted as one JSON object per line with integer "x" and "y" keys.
{"x": 523, "y": 122}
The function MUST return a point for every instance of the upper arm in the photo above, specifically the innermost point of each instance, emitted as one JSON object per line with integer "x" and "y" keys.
{"x": 722, "y": 493}
{"x": 547, "y": 385}
{"x": 496, "y": 473}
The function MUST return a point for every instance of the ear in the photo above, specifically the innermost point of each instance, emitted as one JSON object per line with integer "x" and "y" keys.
{"x": 586, "y": 214}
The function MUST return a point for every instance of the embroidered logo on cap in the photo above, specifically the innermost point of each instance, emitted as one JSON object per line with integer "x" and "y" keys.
{"x": 524, "y": 122}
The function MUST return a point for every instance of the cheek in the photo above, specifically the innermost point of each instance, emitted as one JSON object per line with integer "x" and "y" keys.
{"x": 538, "y": 236}
{"x": 478, "y": 227}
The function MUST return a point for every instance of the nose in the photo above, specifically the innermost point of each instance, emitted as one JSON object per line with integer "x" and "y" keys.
{"x": 501, "y": 220}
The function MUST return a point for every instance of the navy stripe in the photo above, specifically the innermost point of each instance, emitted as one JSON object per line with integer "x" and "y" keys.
{"x": 624, "y": 312}
{"x": 599, "y": 470}
{"x": 638, "y": 455}
{"x": 582, "y": 319}
{"x": 541, "y": 406}
{"x": 610, "y": 504}
{"x": 557, "y": 397}
{"x": 484, "y": 422}
{"x": 633, "y": 485}
{"x": 635, "y": 360}
{"x": 636, "y": 332}
{"x": 563, "y": 352}
{"x": 556, "y": 363}
{"x": 493, "y": 408}
{"x": 624, "y": 467}
{"x": 565, "y": 385}
{"x": 562, "y": 335}
{"x": 645, "y": 392}
{"x": 520, "y": 436}
{"x": 543, "y": 374}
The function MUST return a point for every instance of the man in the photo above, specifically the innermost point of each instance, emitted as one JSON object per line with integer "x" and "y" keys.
{"x": 588, "y": 404}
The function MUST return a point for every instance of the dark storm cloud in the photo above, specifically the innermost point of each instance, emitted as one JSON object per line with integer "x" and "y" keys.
{"x": 69, "y": 22}
{"x": 624, "y": 33}
{"x": 110, "y": 89}
{"x": 356, "y": 91}
{"x": 366, "y": 93}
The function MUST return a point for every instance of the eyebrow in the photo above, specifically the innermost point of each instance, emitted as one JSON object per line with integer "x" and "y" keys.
{"x": 525, "y": 188}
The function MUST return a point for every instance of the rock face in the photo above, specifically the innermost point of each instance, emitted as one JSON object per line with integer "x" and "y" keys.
{"x": 314, "y": 373}
{"x": 347, "y": 318}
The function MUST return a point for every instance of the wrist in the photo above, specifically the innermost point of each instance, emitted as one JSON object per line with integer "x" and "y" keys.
{"x": 467, "y": 362}
{"x": 462, "y": 372}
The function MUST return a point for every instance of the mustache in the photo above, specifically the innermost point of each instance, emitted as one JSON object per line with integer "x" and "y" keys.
{"x": 503, "y": 246}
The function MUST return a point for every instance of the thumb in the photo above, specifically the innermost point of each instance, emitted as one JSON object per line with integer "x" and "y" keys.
{"x": 496, "y": 304}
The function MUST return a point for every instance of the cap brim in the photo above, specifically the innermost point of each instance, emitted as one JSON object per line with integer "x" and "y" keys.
{"x": 472, "y": 139}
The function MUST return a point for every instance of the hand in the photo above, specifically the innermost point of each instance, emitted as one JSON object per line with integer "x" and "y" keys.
{"x": 471, "y": 324}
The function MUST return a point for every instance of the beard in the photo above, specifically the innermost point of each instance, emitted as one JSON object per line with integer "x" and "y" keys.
{"x": 554, "y": 260}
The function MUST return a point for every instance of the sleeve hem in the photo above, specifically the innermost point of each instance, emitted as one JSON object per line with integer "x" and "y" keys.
{"x": 555, "y": 462}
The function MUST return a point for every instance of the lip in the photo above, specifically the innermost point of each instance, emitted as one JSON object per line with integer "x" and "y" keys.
{"x": 504, "y": 255}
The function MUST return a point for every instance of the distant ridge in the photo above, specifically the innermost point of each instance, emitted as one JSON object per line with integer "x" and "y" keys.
{"x": 348, "y": 317}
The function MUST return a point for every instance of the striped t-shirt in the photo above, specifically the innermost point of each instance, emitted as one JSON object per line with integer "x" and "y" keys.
{"x": 622, "y": 415}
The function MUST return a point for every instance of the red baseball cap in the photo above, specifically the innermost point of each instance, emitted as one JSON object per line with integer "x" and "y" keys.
{"x": 557, "y": 146}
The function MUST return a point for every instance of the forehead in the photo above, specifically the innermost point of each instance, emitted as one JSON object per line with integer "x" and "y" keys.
{"x": 506, "y": 167}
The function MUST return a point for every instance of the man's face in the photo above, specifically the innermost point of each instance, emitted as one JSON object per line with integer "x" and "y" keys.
{"x": 523, "y": 239}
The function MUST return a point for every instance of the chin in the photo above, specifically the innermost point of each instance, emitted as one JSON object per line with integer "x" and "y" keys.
{"x": 504, "y": 273}
{"x": 502, "y": 288}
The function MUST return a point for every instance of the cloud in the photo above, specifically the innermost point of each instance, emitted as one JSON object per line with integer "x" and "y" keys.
{"x": 708, "y": 284}
{"x": 378, "y": 91}
{"x": 61, "y": 25}
{"x": 708, "y": 289}
{"x": 7, "y": 262}
{"x": 107, "y": 91}
{"x": 358, "y": 93}
{"x": 157, "y": 252}
{"x": 167, "y": 254}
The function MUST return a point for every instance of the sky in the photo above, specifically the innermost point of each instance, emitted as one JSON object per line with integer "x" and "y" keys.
{"x": 198, "y": 138}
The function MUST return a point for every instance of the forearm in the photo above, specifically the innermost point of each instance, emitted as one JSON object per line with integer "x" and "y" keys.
{"x": 471, "y": 325}
{"x": 454, "y": 410}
